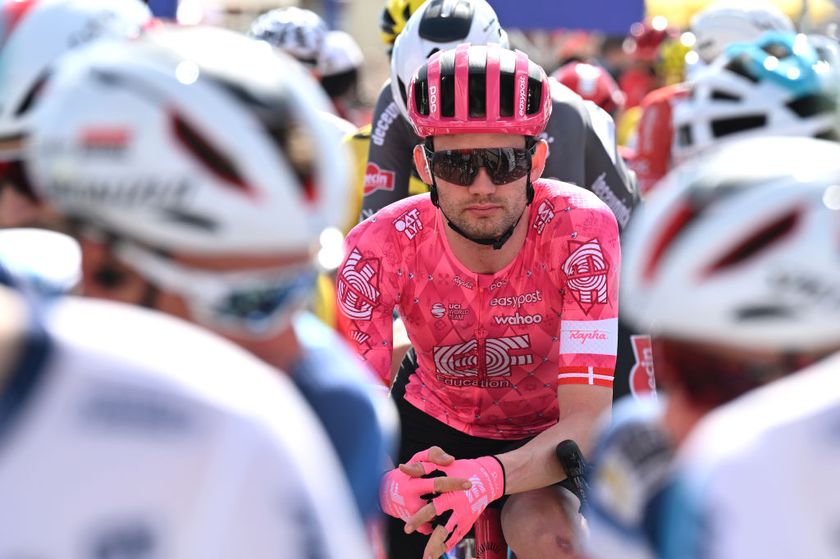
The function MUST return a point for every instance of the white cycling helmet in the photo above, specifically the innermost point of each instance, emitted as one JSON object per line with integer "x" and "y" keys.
{"x": 741, "y": 247}
{"x": 734, "y": 21}
{"x": 296, "y": 31}
{"x": 34, "y": 34}
{"x": 341, "y": 54}
{"x": 440, "y": 25}
{"x": 778, "y": 85}
{"x": 192, "y": 140}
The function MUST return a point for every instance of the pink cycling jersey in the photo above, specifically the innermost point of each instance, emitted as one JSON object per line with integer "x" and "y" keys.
{"x": 491, "y": 348}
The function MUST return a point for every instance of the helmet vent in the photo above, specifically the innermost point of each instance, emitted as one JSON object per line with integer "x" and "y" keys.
{"x": 284, "y": 129}
{"x": 210, "y": 157}
{"x": 726, "y": 126}
{"x": 684, "y": 136}
{"x": 719, "y": 95}
{"x": 670, "y": 232}
{"x": 779, "y": 50}
{"x": 740, "y": 66}
{"x": 758, "y": 242}
{"x": 811, "y": 105}
{"x": 32, "y": 95}
{"x": 447, "y": 21}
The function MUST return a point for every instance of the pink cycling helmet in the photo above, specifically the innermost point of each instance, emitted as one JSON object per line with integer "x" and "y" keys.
{"x": 479, "y": 89}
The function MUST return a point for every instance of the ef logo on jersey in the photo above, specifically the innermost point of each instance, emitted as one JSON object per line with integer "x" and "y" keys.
{"x": 356, "y": 286}
{"x": 458, "y": 365}
{"x": 586, "y": 271}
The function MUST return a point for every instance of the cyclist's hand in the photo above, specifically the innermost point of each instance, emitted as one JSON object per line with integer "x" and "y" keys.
{"x": 405, "y": 490}
{"x": 488, "y": 484}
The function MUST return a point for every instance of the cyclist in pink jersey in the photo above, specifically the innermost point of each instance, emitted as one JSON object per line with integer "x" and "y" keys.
{"x": 508, "y": 287}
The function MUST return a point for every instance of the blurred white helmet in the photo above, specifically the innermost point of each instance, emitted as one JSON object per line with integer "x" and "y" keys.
{"x": 741, "y": 247}
{"x": 440, "y": 25}
{"x": 734, "y": 21}
{"x": 191, "y": 140}
{"x": 34, "y": 34}
{"x": 297, "y": 32}
{"x": 777, "y": 85}
{"x": 341, "y": 54}
{"x": 198, "y": 142}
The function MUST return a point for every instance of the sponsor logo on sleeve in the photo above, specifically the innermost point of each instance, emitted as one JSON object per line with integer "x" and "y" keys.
{"x": 409, "y": 223}
{"x": 594, "y": 337}
{"x": 377, "y": 178}
{"x": 383, "y": 123}
{"x": 603, "y": 191}
{"x": 545, "y": 213}
{"x": 356, "y": 286}
{"x": 586, "y": 272}
{"x": 642, "y": 378}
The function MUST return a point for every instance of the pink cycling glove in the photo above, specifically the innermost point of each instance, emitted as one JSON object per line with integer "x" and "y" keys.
{"x": 399, "y": 493}
{"x": 488, "y": 484}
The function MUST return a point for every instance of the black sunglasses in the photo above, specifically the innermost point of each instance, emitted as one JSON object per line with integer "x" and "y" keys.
{"x": 460, "y": 166}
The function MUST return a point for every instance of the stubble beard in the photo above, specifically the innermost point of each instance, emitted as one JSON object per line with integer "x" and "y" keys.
{"x": 484, "y": 228}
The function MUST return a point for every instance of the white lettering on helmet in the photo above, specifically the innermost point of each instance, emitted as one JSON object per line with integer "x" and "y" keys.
{"x": 433, "y": 99}
{"x": 523, "y": 94}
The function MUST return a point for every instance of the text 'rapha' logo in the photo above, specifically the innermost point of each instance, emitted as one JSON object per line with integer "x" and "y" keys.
{"x": 356, "y": 286}
{"x": 586, "y": 270}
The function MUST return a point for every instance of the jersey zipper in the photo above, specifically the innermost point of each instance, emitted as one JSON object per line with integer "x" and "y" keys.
{"x": 480, "y": 338}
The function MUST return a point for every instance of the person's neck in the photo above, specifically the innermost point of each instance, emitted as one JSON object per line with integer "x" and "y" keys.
{"x": 484, "y": 259}
{"x": 13, "y": 315}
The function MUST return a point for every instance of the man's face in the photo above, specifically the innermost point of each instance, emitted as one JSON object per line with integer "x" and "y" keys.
{"x": 483, "y": 210}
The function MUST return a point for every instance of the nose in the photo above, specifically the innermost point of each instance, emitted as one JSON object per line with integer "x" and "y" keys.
{"x": 482, "y": 183}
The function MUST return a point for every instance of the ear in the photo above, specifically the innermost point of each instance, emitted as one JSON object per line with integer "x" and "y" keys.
{"x": 422, "y": 164}
{"x": 538, "y": 159}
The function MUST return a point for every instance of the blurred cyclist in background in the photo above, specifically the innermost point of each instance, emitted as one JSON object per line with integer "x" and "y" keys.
{"x": 339, "y": 68}
{"x": 128, "y": 432}
{"x": 35, "y": 33}
{"x": 733, "y": 266}
{"x": 593, "y": 83}
{"x": 392, "y": 21}
{"x": 199, "y": 176}
{"x": 501, "y": 279}
{"x": 642, "y": 46}
{"x": 779, "y": 84}
{"x": 581, "y": 140}
{"x": 298, "y": 32}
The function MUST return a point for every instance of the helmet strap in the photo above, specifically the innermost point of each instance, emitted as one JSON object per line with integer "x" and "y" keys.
{"x": 498, "y": 242}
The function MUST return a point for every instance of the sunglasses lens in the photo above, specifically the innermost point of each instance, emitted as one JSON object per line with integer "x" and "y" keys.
{"x": 503, "y": 165}
{"x": 455, "y": 166}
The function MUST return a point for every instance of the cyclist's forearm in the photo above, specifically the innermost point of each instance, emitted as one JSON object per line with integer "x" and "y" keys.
{"x": 535, "y": 464}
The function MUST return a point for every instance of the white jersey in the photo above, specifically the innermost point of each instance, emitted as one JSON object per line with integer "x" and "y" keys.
{"x": 126, "y": 433}
{"x": 760, "y": 477}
